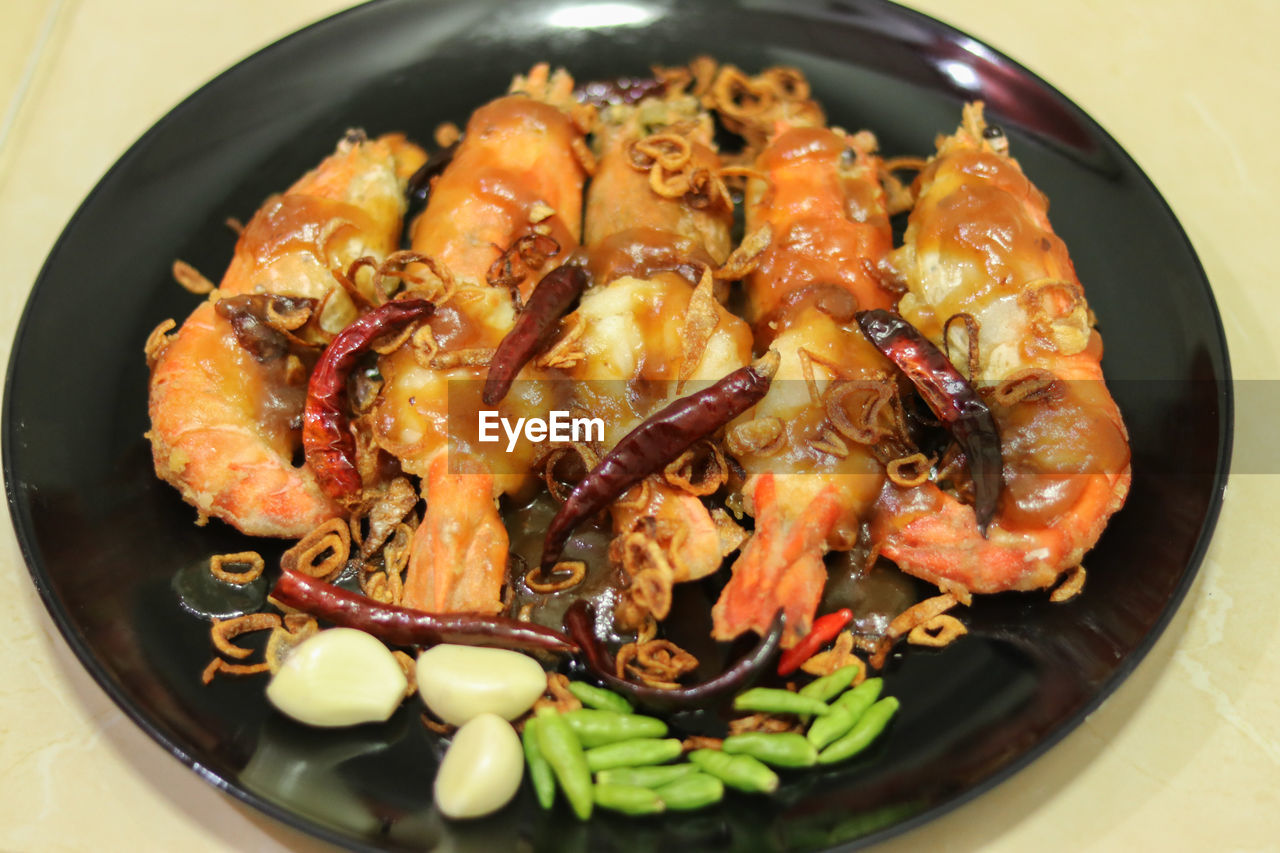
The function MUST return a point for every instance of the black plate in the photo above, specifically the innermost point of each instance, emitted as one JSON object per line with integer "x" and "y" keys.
{"x": 104, "y": 539}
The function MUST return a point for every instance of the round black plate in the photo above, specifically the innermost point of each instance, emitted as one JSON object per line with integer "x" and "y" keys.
{"x": 105, "y": 539}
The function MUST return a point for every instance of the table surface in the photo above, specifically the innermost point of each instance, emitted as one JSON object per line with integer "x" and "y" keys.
{"x": 1184, "y": 755}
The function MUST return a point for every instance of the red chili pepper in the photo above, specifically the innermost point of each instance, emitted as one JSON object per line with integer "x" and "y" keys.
{"x": 951, "y": 398}
{"x": 550, "y": 299}
{"x": 652, "y": 445}
{"x": 326, "y": 440}
{"x": 579, "y": 621}
{"x": 404, "y": 626}
{"x": 824, "y": 630}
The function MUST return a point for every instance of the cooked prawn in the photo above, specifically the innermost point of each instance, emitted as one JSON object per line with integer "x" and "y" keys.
{"x": 516, "y": 175}
{"x": 979, "y": 245}
{"x": 820, "y": 204}
{"x": 223, "y": 419}
{"x": 658, "y": 221}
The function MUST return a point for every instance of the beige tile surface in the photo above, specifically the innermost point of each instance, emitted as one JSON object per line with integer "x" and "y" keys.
{"x": 1184, "y": 756}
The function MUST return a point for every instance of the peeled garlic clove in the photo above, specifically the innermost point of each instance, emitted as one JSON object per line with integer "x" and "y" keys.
{"x": 481, "y": 770}
{"x": 338, "y": 677}
{"x": 460, "y": 682}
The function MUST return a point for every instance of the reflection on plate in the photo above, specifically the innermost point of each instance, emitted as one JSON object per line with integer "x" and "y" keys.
{"x": 105, "y": 540}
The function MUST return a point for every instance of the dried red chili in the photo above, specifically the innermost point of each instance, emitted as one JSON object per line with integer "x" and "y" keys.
{"x": 549, "y": 301}
{"x": 579, "y": 622}
{"x": 654, "y": 444}
{"x": 824, "y": 630}
{"x": 326, "y": 440}
{"x": 404, "y": 626}
{"x": 952, "y": 399}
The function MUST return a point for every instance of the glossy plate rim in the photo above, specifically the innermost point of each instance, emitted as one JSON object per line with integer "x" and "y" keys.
{"x": 66, "y": 624}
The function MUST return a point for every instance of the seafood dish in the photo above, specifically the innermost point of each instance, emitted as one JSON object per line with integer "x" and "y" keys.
{"x": 618, "y": 364}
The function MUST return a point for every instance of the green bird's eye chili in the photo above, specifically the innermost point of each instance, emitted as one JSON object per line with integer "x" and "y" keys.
{"x": 781, "y": 749}
{"x": 770, "y": 700}
{"x": 627, "y": 799}
{"x": 540, "y": 772}
{"x": 597, "y": 728}
{"x": 845, "y": 713}
{"x": 559, "y": 746}
{"x": 830, "y": 686}
{"x": 696, "y": 791}
{"x": 869, "y": 727}
{"x": 599, "y": 698}
{"x": 737, "y": 771}
{"x": 646, "y": 777}
{"x": 633, "y": 753}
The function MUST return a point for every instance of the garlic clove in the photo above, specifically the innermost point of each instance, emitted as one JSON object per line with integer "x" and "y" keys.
{"x": 481, "y": 770}
{"x": 338, "y": 677}
{"x": 460, "y": 682}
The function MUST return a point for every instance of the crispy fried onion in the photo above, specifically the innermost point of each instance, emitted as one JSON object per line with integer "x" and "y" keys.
{"x": 410, "y": 669}
{"x": 658, "y": 663}
{"x": 391, "y": 504}
{"x": 747, "y": 256}
{"x": 157, "y": 341}
{"x": 731, "y": 534}
{"x": 1070, "y": 587}
{"x": 472, "y": 357}
{"x": 218, "y": 665}
{"x": 752, "y": 106}
{"x": 909, "y": 471}
{"x": 838, "y": 656}
{"x": 700, "y": 470}
{"x": 1032, "y": 384}
{"x": 385, "y": 586}
{"x": 766, "y": 723}
{"x": 919, "y": 614}
{"x": 265, "y": 323}
{"x": 436, "y": 285}
{"x": 251, "y": 561}
{"x": 557, "y": 695}
{"x": 322, "y": 552}
{"x": 285, "y": 638}
{"x": 567, "y": 464}
{"x": 831, "y": 443}
{"x": 523, "y": 257}
{"x": 567, "y": 350}
{"x": 860, "y": 409}
{"x": 673, "y": 172}
{"x": 191, "y": 279}
{"x": 899, "y": 197}
{"x": 1058, "y": 313}
{"x": 693, "y": 742}
{"x": 694, "y": 79}
{"x": 565, "y": 575}
{"x": 971, "y": 328}
{"x": 700, "y": 321}
{"x": 223, "y": 631}
{"x": 762, "y": 437}
{"x": 938, "y": 632}
{"x": 650, "y": 574}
